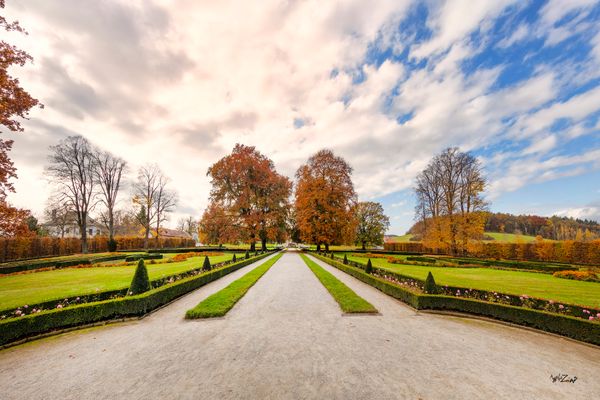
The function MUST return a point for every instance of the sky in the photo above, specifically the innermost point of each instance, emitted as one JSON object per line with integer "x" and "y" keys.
{"x": 384, "y": 84}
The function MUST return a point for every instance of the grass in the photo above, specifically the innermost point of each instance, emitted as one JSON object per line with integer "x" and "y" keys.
{"x": 38, "y": 287}
{"x": 401, "y": 239}
{"x": 533, "y": 284}
{"x": 219, "y": 304}
{"x": 495, "y": 237}
{"x": 349, "y": 301}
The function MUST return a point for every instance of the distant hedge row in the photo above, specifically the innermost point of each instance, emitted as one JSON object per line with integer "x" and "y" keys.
{"x": 567, "y": 251}
{"x": 28, "y": 265}
{"x": 35, "y": 247}
{"x": 14, "y": 329}
{"x": 572, "y": 327}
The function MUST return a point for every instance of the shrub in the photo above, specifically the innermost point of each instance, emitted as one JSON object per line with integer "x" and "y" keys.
{"x": 332, "y": 255}
{"x": 111, "y": 245}
{"x": 143, "y": 257}
{"x": 577, "y": 275}
{"x": 430, "y": 286}
{"x": 369, "y": 268}
{"x": 345, "y": 259}
{"x": 422, "y": 259}
{"x": 206, "y": 264}
{"x": 233, "y": 259}
{"x": 247, "y": 254}
{"x": 140, "y": 282}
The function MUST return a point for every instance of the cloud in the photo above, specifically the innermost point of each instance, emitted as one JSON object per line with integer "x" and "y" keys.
{"x": 180, "y": 83}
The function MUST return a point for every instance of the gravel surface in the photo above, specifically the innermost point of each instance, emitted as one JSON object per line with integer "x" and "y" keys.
{"x": 287, "y": 338}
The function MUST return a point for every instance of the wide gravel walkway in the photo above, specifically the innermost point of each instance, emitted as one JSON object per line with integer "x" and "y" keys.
{"x": 287, "y": 339}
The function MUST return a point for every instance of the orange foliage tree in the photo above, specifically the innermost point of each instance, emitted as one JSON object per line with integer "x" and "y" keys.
{"x": 216, "y": 226}
{"x": 254, "y": 196}
{"x": 15, "y": 103}
{"x": 324, "y": 200}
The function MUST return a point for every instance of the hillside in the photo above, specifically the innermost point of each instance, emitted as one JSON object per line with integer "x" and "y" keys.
{"x": 491, "y": 236}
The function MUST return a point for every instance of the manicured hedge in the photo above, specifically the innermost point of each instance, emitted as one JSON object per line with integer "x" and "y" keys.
{"x": 422, "y": 259}
{"x": 8, "y": 268}
{"x": 143, "y": 257}
{"x": 571, "y": 327}
{"x": 34, "y": 324}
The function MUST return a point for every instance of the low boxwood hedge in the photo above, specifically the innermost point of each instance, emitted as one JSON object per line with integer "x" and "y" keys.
{"x": 575, "y": 328}
{"x": 34, "y": 324}
{"x": 144, "y": 257}
{"x": 28, "y": 265}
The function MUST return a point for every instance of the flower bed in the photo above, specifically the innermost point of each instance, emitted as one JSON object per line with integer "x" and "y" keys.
{"x": 409, "y": 290}
{"x": 129, "y": 306}
{"x": 99, "y": 296}
{"x": 587, "y": 276}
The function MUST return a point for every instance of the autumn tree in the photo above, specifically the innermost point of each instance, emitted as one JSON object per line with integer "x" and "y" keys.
{"x": 449, "y": 200}
{"x": 108, "y": 171}
{"x": 15, "y": 103}
{"x": 14, "y": 221}
{"x": 145, "y": 191}
{"x": 324, "y": 199}
{"x": 216, "y": 226}
{"x": 252, "y": 193}
{"x": 371, "y": 223}
{"x": 71, "y": 168}
{"x": 165, "y": 202}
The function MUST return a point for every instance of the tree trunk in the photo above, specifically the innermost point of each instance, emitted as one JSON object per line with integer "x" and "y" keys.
{"x": 146, "y": 234}
{"x": 253, "y": 246}
{"x": 263, "y": 242}
{"x": 156, "y": 245}
{"x": 318, "y": 247}
{"x": 83, "y": 231}
{"x": 364, "y": 245}
{"x": 327, "y": 247}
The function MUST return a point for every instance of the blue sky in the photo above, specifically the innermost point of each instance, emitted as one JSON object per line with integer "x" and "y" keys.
{"x": 385, "y": 84}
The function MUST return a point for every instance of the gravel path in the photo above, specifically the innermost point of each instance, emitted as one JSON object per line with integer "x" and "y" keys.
{"x": 287, "y": 338}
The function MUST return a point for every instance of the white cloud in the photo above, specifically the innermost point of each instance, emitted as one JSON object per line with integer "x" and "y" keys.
{"x": 518, "y": 35}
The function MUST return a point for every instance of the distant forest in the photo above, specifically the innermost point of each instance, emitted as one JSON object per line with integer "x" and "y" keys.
{"x": 555, "y": 228}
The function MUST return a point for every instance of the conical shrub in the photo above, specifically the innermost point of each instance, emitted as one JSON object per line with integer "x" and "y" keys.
{"x": 369, "y": 269}
{"x": 140, "y": 282}
{"x": 430, "y": 286}
{"x": 345, "y": 259}
{"x": 247, "y": 254}
{"x": 206, "y": 266}
{"x": 233, "y": 259}
{"x": 332, "y": 255}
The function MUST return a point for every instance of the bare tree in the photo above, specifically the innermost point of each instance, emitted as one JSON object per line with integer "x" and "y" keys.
{"x": 166, "y": 200}
{"x": 71, "y": 167}
{"x": 154, "y": 199}
{"x": 449, "y": 198}
{"x": 144, "y": 195}
{"x": 109, "y": 170}
{"x": 188, "y": 225}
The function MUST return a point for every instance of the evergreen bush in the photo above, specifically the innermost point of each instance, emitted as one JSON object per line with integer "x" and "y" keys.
{"x": 234, "y": 258}
{"x": 345, "y": 259}
{"x": 206, "y": 266}
{"x": 247, "y": 254}
{"x": 112, "y": 245}
{"x": 430, "y": 286}
{"x": 140, "y": 282}
{"x": 369, "y": 269}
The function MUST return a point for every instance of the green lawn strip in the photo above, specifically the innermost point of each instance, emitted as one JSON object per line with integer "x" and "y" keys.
{"x": 543, "y": 286}
{"x": 39, "y": 287}
{"x": 349, "y": 301}
{"x": 219, "y": 304}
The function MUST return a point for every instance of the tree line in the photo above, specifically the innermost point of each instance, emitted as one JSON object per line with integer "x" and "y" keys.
{"x": 251, "y": 202}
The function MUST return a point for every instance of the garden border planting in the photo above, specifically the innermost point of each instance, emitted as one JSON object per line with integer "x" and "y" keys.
{"x": 347, "y": 299}
{"x": 572, "y": 327}
{"x": 15, "y": 329}
{"x": 59, "y": 262}
{"x": 218, "y": 304}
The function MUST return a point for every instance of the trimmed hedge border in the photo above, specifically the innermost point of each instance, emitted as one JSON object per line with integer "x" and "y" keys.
{"x": 574, "y": 328}
{"x": 14, "y": 329}
{"x": 10, "y": 267}
{"x": 144, "y": 257}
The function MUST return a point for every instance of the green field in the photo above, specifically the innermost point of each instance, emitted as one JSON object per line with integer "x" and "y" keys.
{"x": 349, "y": 301}
{"x": 38, "y": 287}
{"x": 533, "y": 284}
{"x": 497, "y": 237}
{"x": 219, "y": 304}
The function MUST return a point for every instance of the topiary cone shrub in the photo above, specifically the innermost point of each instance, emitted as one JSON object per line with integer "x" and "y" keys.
{"x": 233, "y": 259}
{"x": 345, "y": 259}
{"x": 206, "y": 265}
{"x": 247, "y": 254}
{"x": 332, "y": 255}
{"x": 140, "y": 282}
{"x": 369, "y": 269}
{"x": 430, "y": 286}
{"x": 112, "y": 245}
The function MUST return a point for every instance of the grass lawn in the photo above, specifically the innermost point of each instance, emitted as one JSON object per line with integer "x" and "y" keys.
{"x": 510, "y": 238}
{"x": 533, "y": 284}
{"x": 401, "y": 239}
{"x": 219, "y": 304}
{"x": 349, "y": 301}
{"x": 37, "y": 287}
